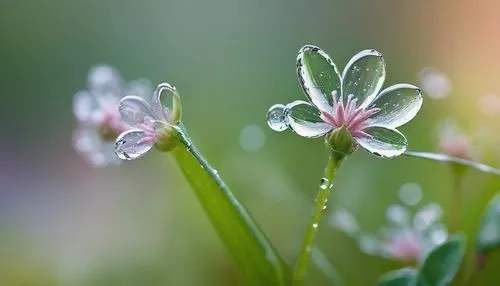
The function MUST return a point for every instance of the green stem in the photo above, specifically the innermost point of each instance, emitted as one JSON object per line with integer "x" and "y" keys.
{"x": 318, "y": 211}
{"x": 257, "y": 258}
{"x": 456, "y": 208}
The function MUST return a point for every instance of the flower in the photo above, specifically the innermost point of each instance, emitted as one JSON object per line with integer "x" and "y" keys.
{"x": 352, "y": 100}
{"x": 434, "y": 83}
{"x": 454, "y": 142}
{"x": 404, "y": 237}
{"x": 96, "y": 109}
{"x": 150, "y": 124}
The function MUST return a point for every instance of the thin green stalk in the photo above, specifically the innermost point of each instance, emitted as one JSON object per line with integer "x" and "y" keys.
{"x": 318, "y": 211}
{"x": 457, "y": 197}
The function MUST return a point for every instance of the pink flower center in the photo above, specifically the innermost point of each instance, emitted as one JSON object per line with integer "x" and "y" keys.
{"x": 108, "y": 120}
{"x": 405, "y": 246}
{"x": 457, "y": 147}
{"x": 150, "y": 134}
{"x": 350, "y": 116}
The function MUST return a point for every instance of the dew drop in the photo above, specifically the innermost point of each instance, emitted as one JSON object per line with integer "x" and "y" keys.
{"x": 324, "y": 183}
{"x": 315, "y": 225}
{"x": 276, "y": 118}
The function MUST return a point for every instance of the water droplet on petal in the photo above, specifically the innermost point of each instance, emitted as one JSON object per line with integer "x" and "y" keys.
{"x": 410, "y": 194}
{"x": 276, "y": 118}
{"x": 304, "y": 119}
{"x": 364, "y": 71}
{"x": 252, "y": 138}
{"x": 129, "y": 145}
{"x": 384, "y": 142}
{"x": 135, "y": 111}
{"x": 318, "y": 76}
{"x": 398, "y": 104}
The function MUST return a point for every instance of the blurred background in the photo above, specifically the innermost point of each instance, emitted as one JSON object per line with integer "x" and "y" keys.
{"x": 65, "y": 222}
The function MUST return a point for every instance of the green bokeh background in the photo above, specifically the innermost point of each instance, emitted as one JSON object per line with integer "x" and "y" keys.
{"x": 63, "y": 222}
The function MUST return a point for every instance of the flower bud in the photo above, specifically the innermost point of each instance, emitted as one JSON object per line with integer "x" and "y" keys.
{"x": 341, "y": 142}
{"x": 167, "y": 137}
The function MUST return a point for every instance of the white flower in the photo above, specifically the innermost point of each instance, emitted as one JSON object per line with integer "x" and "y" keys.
{"x": 434, "y": 83}
{"x": 353, "y": 100}
{"x": 96, "y": 109}
{"x": 149, "y": 124}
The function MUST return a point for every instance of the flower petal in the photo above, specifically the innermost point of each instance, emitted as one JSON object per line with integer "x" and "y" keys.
{"x": 383, "y": 142}
{"x": 363, "y": 76}
{"x": 129, "y": 145}
{"x": 83, "y": 105}
{"x": 160, "y": 111}
{"x": 134, "y": 110}
{"x": 86, "y": 140}
{"x": 304, "y": 119}
{"x": 318, "y": 76}
{"x": 104, "y": 80}
{"x": 398, "y": 104}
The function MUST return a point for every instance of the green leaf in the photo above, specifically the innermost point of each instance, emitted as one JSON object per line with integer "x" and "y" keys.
{"x": 253, "y": 252}
{"x": 400, "y": 277}
{"x": 488, "y": 237}
{"x": 443, "y": 262}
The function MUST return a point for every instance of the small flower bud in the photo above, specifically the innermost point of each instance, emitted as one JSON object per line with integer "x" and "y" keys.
{"x": 167, "y": 137}
{"x": 341, "y": 142}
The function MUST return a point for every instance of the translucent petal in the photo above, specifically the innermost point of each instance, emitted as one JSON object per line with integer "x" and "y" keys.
{"x": 276, "y": 119}
{"x": 304, "y": 119}
{"x": 134, "y": 110}
{"x": 398, "y": 214}
{"x": 83, "y": 105}
{"x": 410, "y": 194}
{"x": 86, "y": 140}
{"x": 384, "y": 142}
{"x": 129, "y": 147}
{"x": 318, "y": 76}
{"x": 427, "y": 216}
{"x": 345, "y": 221}
{"x": 160, "y": 108}
{"x": 398, "y": 104}
{"x": 104, "y": 80}
{"x": 364, "y": 76}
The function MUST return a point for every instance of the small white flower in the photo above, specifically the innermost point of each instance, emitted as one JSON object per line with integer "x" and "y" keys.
{"x": 149, "y": 124}
{"x": 434, "y": 83}
{"x": 96, "y": 109}
{"x": 405, "y": 236}
{"x": 454, "y": 142}
{"x": 353, "y": 100}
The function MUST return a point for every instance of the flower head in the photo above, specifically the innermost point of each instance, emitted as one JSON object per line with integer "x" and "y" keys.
{"x": 96, "y": 110}
{"x": 353, "y": 99}
{"x": 454, "y": 142}
{"x": 434, "y": 83}
{"x": 150, "y": 124}
{"x": 405, "y": 236}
